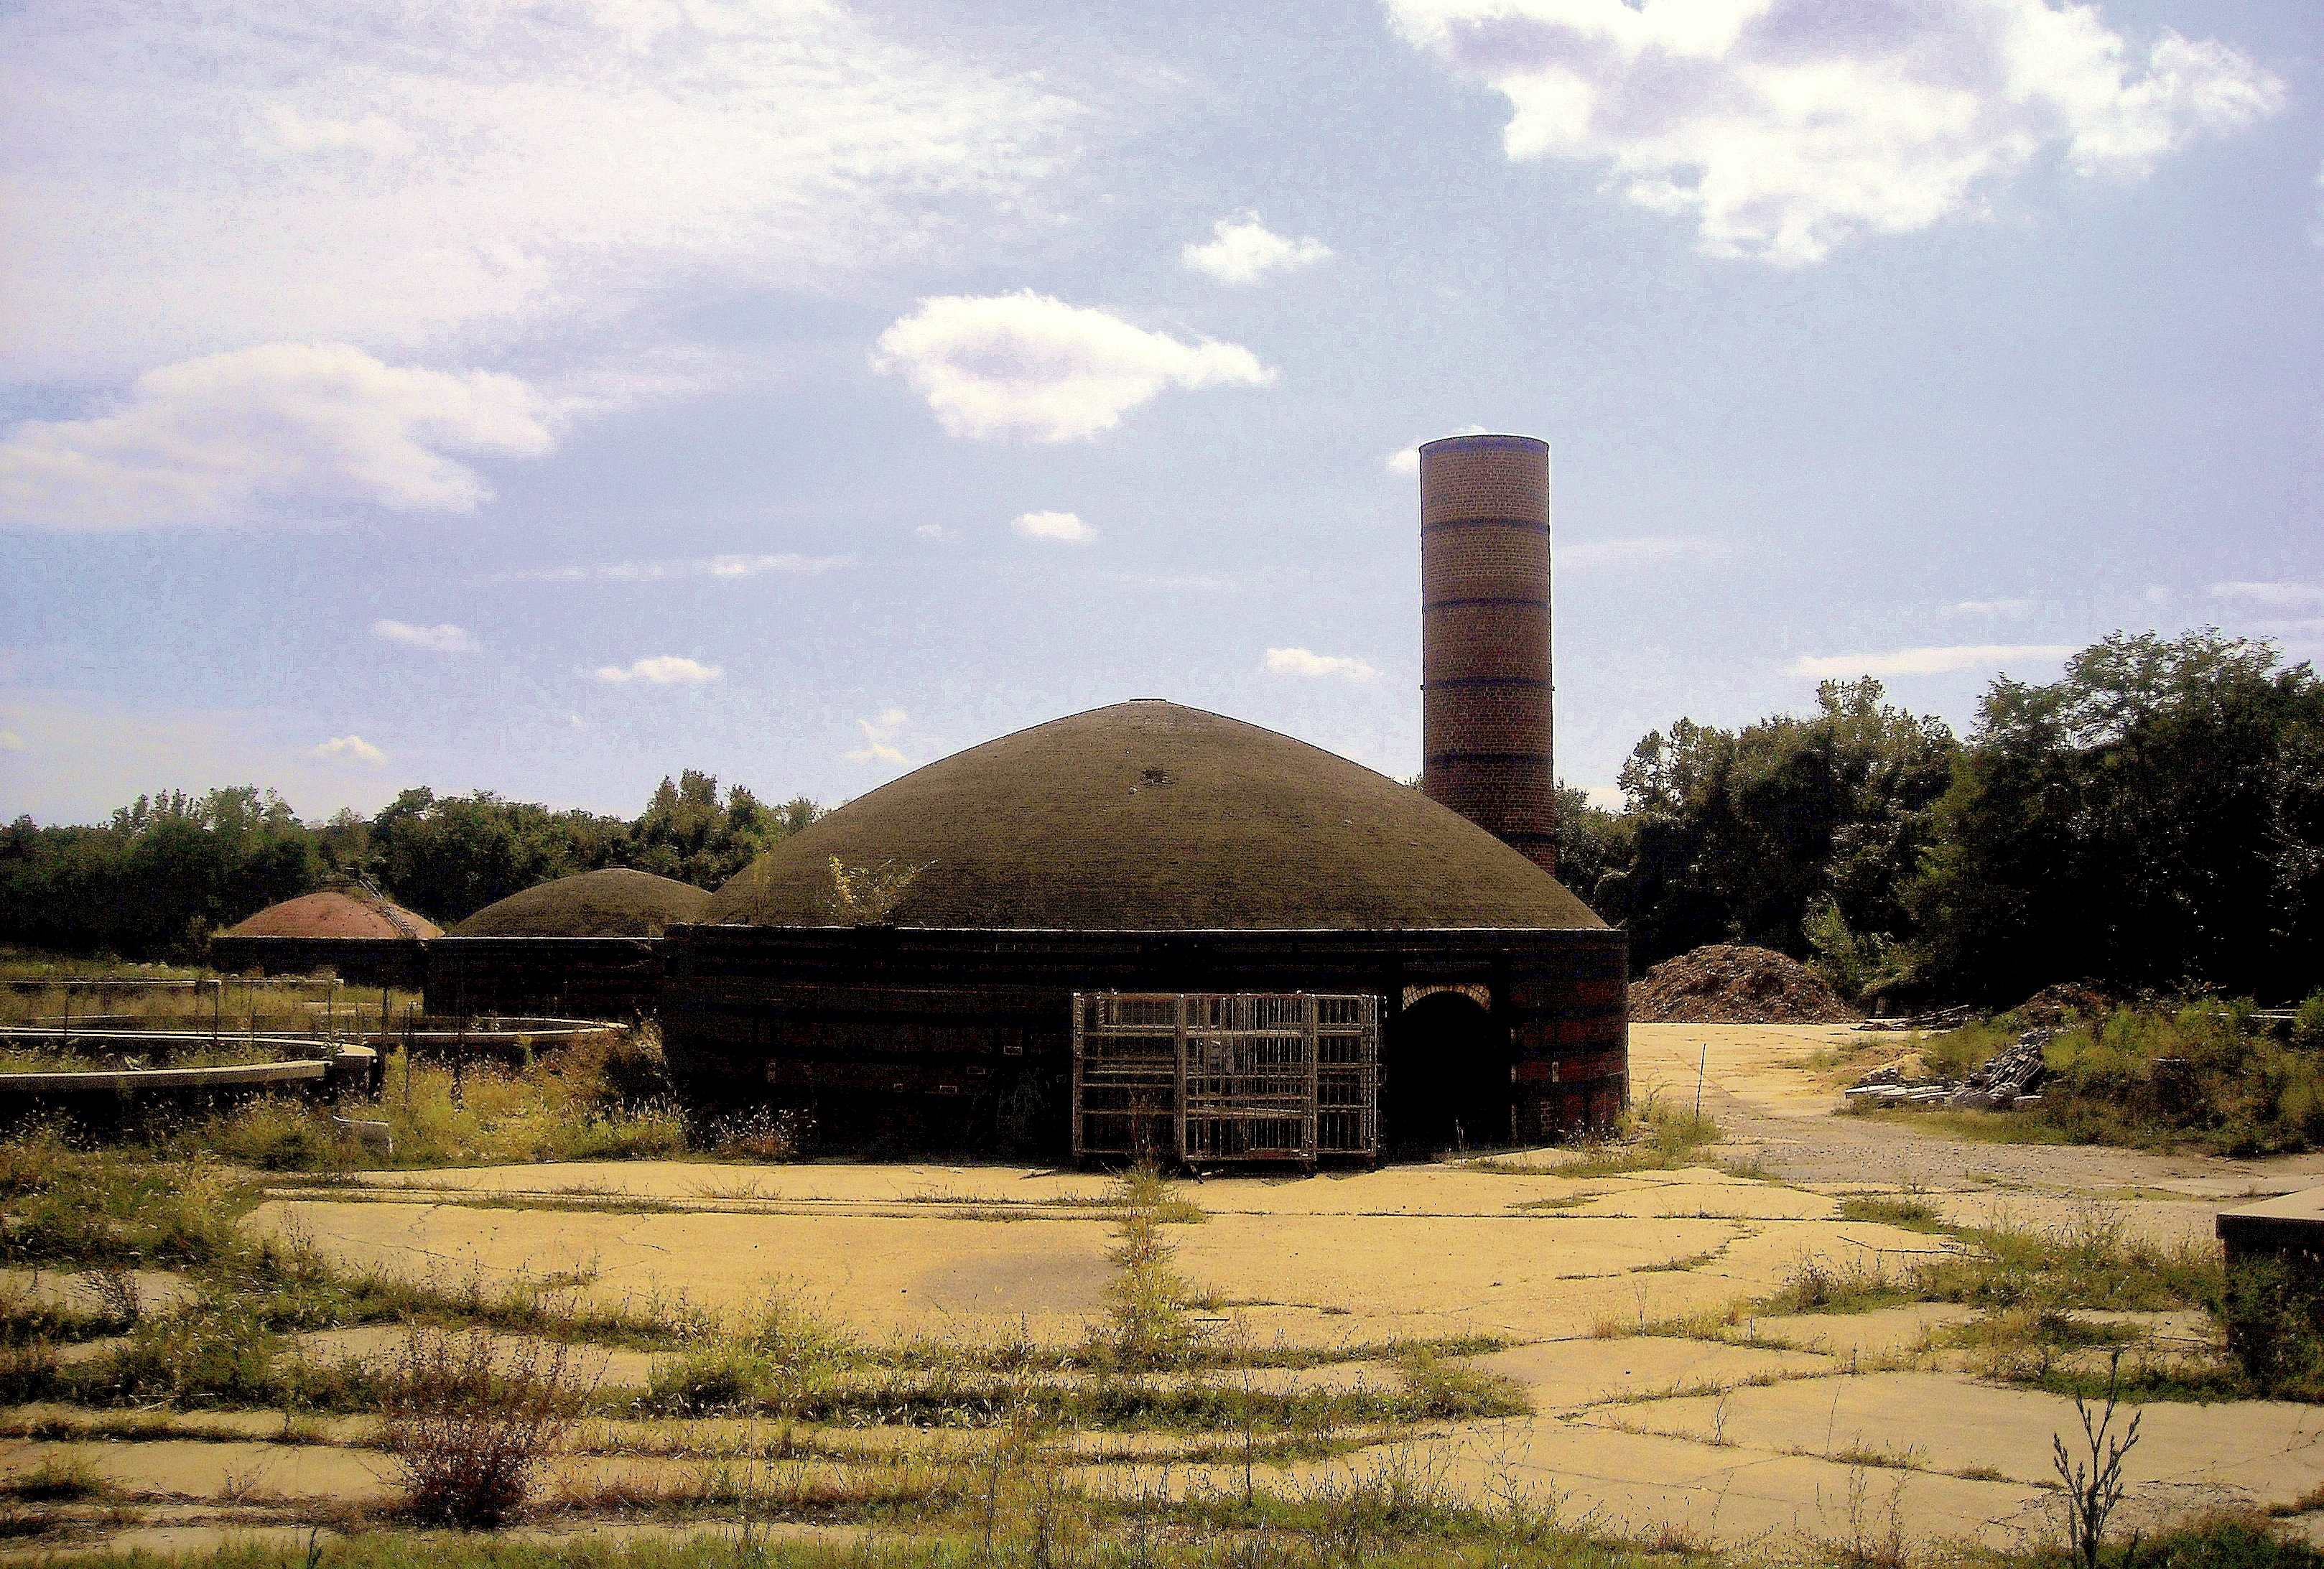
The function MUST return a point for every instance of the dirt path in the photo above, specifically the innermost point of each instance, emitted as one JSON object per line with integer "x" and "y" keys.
{"x": 1776, "y": 1112}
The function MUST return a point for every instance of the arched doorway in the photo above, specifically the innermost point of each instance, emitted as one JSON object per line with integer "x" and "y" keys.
{"x": 1444, "y": 1078}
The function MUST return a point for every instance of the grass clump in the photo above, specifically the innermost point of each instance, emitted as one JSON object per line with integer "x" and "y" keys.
{"x": 1654, "y": 1137}
{"x": 1906, "y": 1212}
{"x": 64, "y": 1476}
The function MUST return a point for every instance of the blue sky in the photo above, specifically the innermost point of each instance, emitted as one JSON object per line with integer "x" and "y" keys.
{"x": 545, "y": 398}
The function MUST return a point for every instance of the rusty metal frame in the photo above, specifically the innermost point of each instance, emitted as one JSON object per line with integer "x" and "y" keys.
{"x": 1279, "y": 1077}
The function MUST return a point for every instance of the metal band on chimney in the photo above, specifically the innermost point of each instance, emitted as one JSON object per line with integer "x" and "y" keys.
{"x": 1485, "y": 686}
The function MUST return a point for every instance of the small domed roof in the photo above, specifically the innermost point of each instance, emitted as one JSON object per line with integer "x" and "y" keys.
{"x": 1151, "y": 816}
{"x": 336, "y": 913}
{"x": 616, "y": 902}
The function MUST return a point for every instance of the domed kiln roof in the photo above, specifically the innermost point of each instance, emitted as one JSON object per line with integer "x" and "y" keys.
{"x": 336, "y": 913}
{"x": 1149, "y": 817}
{"x": 613, "y": 903}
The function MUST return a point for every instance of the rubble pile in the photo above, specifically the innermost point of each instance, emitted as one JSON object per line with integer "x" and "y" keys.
{"x": 2009, "y": 1079}
{"x": 1731, "y": 984}
{"x": 2050, "y": 1007}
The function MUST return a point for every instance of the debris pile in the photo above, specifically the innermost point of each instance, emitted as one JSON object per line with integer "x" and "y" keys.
{"x": 2050, "y": 1007}
{"x": 1923, "y": 1023}
{"x": 2008, "y": 1080}
{"x": 1730, "y": 984}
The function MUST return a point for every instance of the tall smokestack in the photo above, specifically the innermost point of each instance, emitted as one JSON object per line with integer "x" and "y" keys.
{"x": 1484, "y": 638}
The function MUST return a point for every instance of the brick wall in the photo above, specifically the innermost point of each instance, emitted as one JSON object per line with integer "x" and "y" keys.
{"x": 1485, "y": 686}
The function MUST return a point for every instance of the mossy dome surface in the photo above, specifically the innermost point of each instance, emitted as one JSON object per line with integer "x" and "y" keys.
{"x": 336, "y": 913}
{"x": 613, "y": 903}
{"x": 1151, "y": 816}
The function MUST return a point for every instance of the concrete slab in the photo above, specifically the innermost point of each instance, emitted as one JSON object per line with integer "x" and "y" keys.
{"x": 2166, "y": 1224}
{"x": 881, "y": 1277}
{"x": 2267, "y": 1452}
{"x": 1569, "y": 1374}
{"x": 1648, "y": 1484}
{"x": 1856, "y": 1338}
{"x": 192, "y": 1468}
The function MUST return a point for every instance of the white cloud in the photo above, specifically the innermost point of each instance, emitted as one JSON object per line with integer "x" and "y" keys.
{"x": 1314, "y": 665}
{"x": 1784, "y": 127}
{"x": 1605, "y": 798}
{"x": 210, "y": 439}
{"x": 1406, "y": 460}
{"x": 661, "y": 670}
{"x": 1640, "y": 551}
{"x": 446, "y": 639}
{"x": 1995, "y": 609}
{"x": 2272, "y": 595}
{"x": 1243, "y": 251}
{"x": 1928, "y": 661}
{"x": 930, "y": 530}
{"x": 1064, "y": 526}
{"x": 878, "y": 736}
{"x": 395, "y": 172}
{"x": 1025, "y": 365}
{"x": 726, "y": 566}
{"x": 349, "y": 749}
{"x": 11, "y": 742}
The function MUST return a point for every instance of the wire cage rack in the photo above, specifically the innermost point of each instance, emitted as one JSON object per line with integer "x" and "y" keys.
{"x": 1218, "y": 1079}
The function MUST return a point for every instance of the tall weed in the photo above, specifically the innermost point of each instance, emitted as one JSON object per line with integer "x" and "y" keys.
{"x": 471, "y": 1422}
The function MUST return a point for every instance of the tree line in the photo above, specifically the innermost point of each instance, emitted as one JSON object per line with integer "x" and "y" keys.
{"x": 156, "y": 881}
{"x": 2152, "y": 821}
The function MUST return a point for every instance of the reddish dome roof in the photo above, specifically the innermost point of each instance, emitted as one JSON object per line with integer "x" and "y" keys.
{"x": 1151, "y": 816}
{"x": 336, "y": 914}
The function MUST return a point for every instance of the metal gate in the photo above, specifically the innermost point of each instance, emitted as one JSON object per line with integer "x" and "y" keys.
{"x": 1218, "y": 1077}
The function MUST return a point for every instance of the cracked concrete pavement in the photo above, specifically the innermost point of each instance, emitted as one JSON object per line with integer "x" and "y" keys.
{"x": 1834, "y": 1425}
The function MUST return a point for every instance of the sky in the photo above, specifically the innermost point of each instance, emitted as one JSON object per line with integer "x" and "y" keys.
{"x": 545, "y": 397}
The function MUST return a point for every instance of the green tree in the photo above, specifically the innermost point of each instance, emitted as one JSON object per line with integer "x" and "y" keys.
{"x": 1593, "y": 843}
{"x": 449, "y": 856}
{"x": 2153, "y": 820}
{"x": 156, "y": 879}
{"x": 686, "y": 833}
{"x": 1740, "y": 835}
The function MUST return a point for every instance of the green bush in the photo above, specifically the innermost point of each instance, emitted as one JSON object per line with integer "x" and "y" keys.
{"x": 2271, "y": 1316}
{"x": 2307, "y": 1022}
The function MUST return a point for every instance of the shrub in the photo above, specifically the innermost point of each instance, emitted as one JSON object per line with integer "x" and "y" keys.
{"x": 2271, "y": 1318}
{"x": 470, "y": 1423}
{"x": 2307, "y": 1022}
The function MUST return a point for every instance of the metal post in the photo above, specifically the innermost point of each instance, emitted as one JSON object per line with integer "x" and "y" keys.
{"x": 1178, "y": 1089}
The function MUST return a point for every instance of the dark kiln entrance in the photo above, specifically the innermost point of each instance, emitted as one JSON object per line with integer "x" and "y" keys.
{"x": 1445, "y": 1078}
